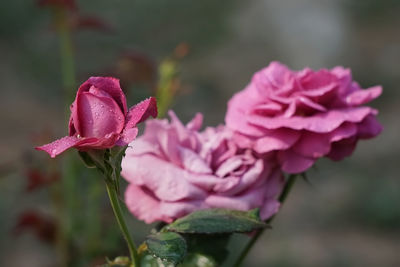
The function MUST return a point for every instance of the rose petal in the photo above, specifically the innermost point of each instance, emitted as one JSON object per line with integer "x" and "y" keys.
{"x": 127, "y": 136}
{"x": 193, "y": 162}
{"x": 361, "y": 96}
{"x": 98, "y": 116}
{"x": 319, "y": 123}
{"x": 141, "y": 112}
{"x": 195, "y": 123}
{"x": 57, "y": 147}
{"x": 279, "y": 139}
{"x": 369, "y": 127}
{"x": 342, "y": 148}
{"x": 294, "y": 163}
{"x": 109, "y": 85}
{"x": 270, "y": 208}
{"x": 312, "y": 145}
{"x": 167, "y": 181}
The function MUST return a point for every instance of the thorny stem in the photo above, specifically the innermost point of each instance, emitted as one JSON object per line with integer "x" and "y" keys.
{"x": 288, "y": 186}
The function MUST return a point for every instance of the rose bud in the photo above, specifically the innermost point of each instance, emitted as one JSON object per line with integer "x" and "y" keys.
{"x": 303, "y": 115}
{"x": 100, "y": 119}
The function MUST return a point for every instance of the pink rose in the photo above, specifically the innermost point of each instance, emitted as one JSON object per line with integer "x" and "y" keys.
{"x": 303, "y": 115}
{"x": 173, "y": 170}
{"x": 100, "y": 119}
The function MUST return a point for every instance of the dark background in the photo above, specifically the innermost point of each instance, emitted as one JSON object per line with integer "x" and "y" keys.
{"x": 348, "y": 216}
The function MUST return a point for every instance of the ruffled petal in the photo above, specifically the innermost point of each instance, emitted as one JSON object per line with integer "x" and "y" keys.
{"x": 361, "y": 96}
{"x": 167, "y": 181}
{"x": 319, "y": 123}
{"x": 279, "y": 139}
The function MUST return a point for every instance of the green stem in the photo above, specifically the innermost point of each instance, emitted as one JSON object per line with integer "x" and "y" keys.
{"x": 112, "y": 194}
{"x": 66, "y": 53}
{"x": 69, "y": 175}
{"x": 288, "y": 186}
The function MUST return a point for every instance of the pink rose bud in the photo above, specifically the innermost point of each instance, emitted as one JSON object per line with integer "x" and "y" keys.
{"x": 303, "y": 115}
{"x": 173, "y": 169}
{"x": 100, "y": 119}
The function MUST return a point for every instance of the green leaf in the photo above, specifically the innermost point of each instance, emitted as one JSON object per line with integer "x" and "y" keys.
{"x": 200, "y": 244}
{"x": 167, "y": 246}
{"x": 218, "y": 221}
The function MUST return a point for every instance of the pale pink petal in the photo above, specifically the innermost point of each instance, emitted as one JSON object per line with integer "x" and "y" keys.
{"x": 167, "y": 181}
{"x": 195, "y": 123}
{"x": 226, "y": 184}
{"x": 148, "y": 208}
{"x": 140, "y": 203}
{"x": 229, "y": 166}
{"x": 193, "y": 162}
{"x": 270, "y": 208}
{"x": 250, "y": 178}
{"x": 169, "y": 144}
{"x": 142, "y": 146}
{"x": 251, "y": 199}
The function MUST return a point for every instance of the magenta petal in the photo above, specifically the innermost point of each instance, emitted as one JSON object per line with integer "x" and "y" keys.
{"x": 360, "y": 97}
{"x": 141, "y": 112}
{"x": 313, "y": 145}
{"x": 342, "y": 148}
{"x": 369, "y": 127}
{"x": 320, "y": 123}
{"x": 127, "y": 136}
{"x": 276, "y": 140}
{"x": 109, "y": 85}
{"x": 57, "y": 147}
{"x": 98, "y": 116}
{"x": 294, "y": 163}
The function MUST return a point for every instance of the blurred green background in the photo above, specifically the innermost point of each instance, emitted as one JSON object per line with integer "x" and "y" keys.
{"x": 348, "y": 216}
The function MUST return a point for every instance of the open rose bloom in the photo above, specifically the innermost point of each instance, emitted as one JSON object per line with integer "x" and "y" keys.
{"x": 303, "y": 115}
{"x": 174, "y": 169}
{"x": 100, "y": 118}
